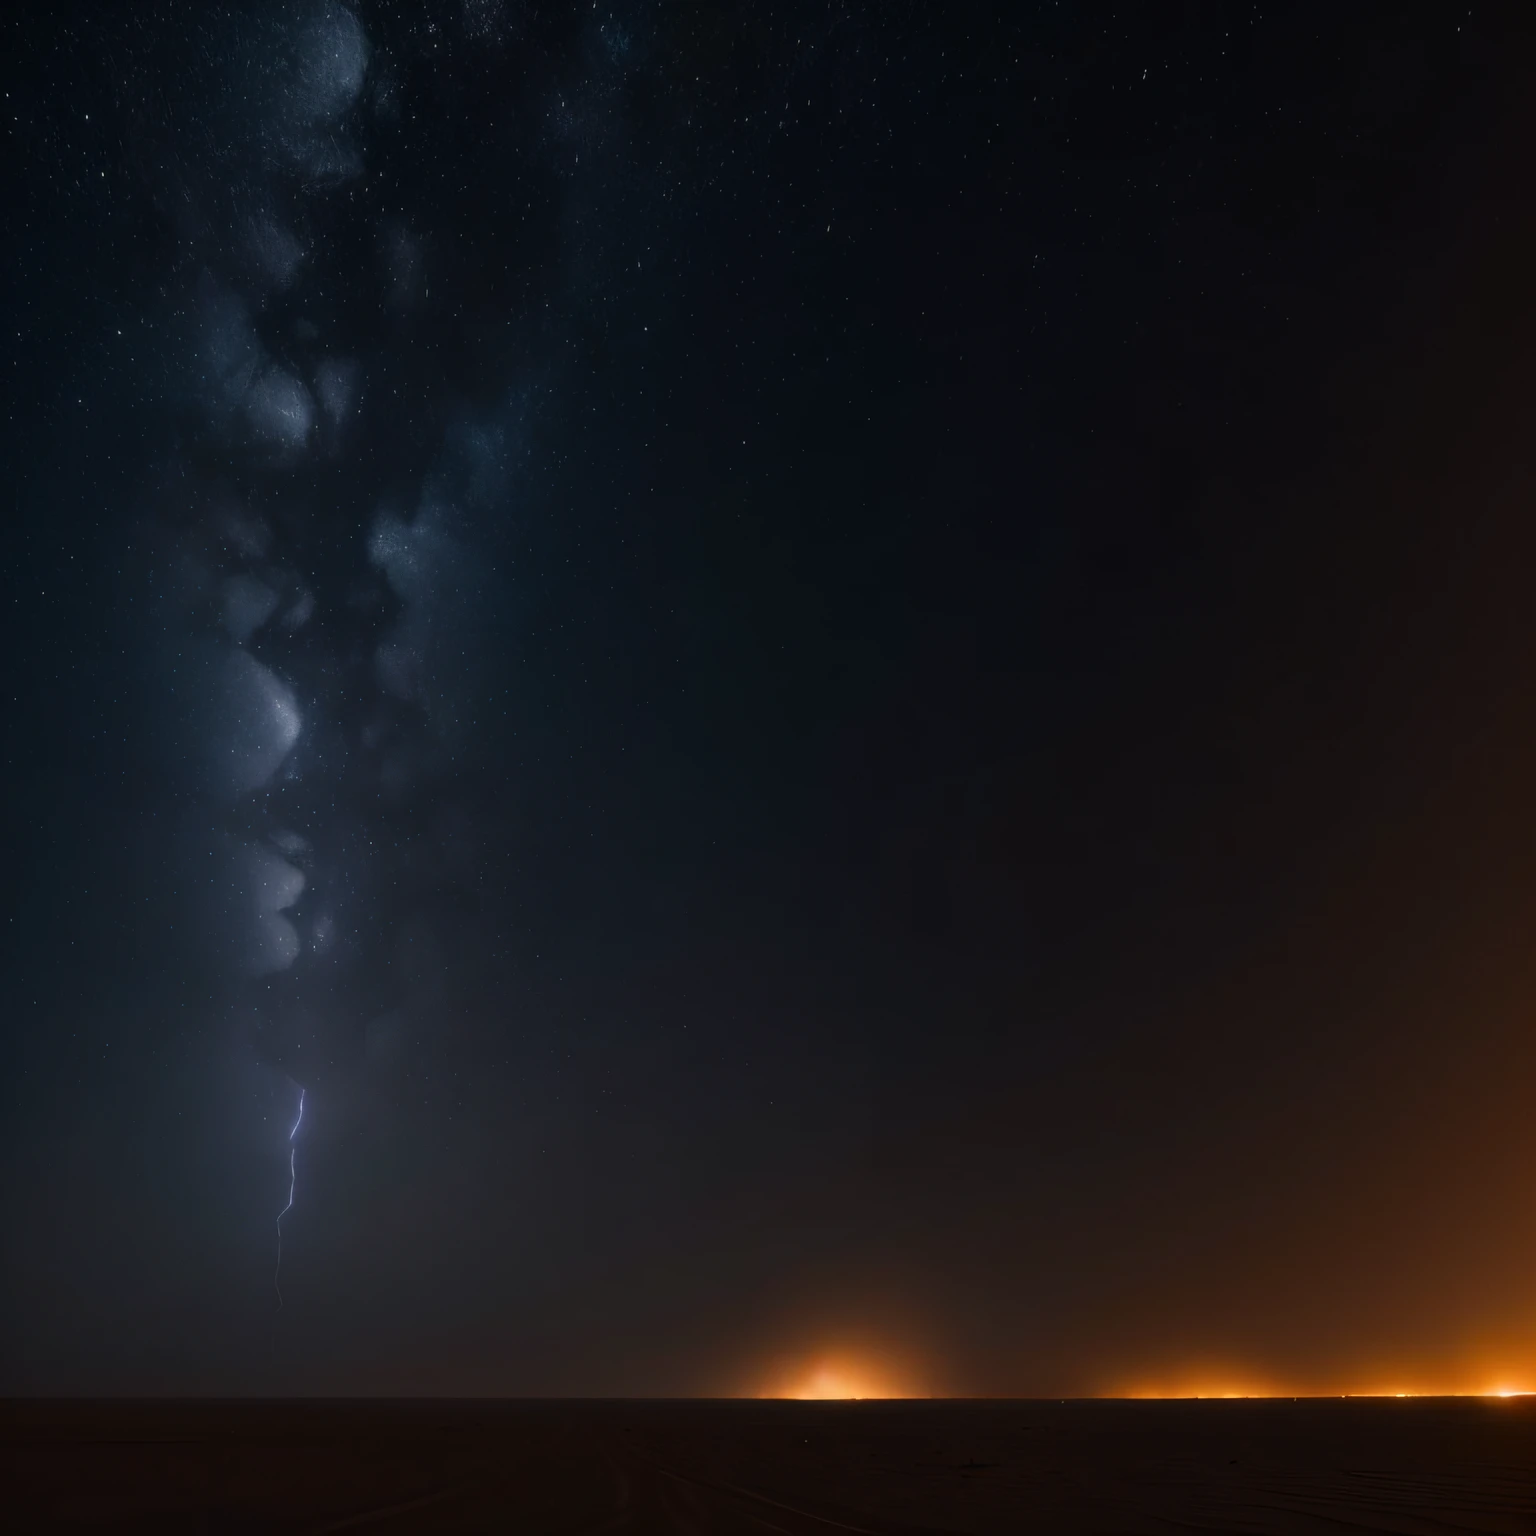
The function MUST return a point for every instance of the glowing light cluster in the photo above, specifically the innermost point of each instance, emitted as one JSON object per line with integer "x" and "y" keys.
{"x": 831, "y": 1382}
{"x": 838, "y": 1378}
{"x": 1229, "y": 1390}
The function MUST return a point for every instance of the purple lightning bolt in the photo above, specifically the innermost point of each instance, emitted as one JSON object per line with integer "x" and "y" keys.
{"x": 292, "y": 1154}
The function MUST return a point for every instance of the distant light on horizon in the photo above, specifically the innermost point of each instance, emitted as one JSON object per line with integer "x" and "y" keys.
{"x": 831, "y": 1384}
{"x": 836, "y": 1384}
{"x": 838, "y": 1378}
{"x": 1213, "y": 1392}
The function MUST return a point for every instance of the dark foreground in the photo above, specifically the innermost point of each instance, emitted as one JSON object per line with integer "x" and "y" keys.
{"x": 800, "y": 1468}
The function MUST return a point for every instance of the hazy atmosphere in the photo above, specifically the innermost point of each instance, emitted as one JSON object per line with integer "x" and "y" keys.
{"x": 825, "y": 701}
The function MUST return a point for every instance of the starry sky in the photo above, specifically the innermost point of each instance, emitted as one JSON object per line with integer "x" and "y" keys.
{"x": 848, "y": 685}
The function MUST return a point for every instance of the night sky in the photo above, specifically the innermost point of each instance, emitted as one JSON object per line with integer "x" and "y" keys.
{"x": 849, "y": 685}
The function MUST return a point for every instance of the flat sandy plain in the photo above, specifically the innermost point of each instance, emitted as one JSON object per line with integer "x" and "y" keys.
{"x": 808, "y": 1469}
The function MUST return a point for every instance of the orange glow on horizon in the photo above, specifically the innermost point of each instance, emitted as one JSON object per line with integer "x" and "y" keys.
{"x": 851, "y": 1378}
{"x": 1202, "y": 1390}
{"x": 853, "y": 1367}
{"x": 837, "y": 1378}
{"x": 1208, "y": 1389}
{"x": 831, "y": 1382}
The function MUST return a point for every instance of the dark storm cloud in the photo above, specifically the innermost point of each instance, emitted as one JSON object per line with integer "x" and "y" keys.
{"x": 322, "y": 622}
{"x": 334, "y": 395}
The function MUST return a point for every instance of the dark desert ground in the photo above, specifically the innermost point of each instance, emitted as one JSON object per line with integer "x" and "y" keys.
{"x": 1309, "y": 1465}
